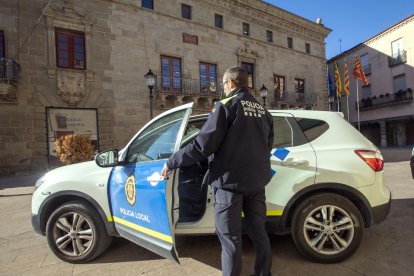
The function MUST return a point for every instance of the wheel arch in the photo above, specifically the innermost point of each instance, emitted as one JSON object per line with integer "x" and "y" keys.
{"x": 355, "y": 196}
{"x": 57, "y": 199}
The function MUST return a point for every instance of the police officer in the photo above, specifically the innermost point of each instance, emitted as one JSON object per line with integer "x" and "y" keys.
{"x": 237, "y": 139}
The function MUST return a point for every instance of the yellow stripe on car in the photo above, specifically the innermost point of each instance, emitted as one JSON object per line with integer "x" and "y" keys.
{"x": 144, "y": 230}
{"x": 271, "y": 213}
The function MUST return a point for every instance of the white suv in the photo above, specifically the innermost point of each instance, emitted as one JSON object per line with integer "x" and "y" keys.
{"x": 326, "y": 189}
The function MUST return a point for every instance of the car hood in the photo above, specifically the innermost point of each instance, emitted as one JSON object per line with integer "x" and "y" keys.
{"x": 85, "y": 172}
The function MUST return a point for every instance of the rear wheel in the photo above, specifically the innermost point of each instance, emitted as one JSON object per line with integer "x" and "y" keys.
{"x": 327, "y": 228}
{"x": 76, "y": 233}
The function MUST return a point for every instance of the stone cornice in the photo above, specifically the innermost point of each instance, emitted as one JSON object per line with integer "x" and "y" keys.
{"x": 124, "y": 2}
{"x": 263, "y": 14}
{"x": 273, "y": 17}
{"x": 390, "y": 29}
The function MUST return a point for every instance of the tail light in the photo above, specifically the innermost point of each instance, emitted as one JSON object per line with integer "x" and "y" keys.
{"x": 372, "y": 158}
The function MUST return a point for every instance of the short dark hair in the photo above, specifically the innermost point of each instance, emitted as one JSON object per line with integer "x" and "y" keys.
{"x": 237, "y": 75}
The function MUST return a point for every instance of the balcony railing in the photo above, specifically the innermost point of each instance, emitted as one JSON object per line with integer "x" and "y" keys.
{"x": 188, "y": 87}
{"x": 397, "y": 59}
{"x": 9, "y": 70}
{"x": 399, "y": 97}
{"x": 294, "y": 98}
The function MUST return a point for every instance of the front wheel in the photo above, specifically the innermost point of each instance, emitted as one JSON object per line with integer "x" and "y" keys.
{"x": 76, "y": 233}
{"x": 327, "y": 228}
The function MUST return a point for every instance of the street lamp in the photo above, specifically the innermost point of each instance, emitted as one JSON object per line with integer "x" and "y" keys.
{"x": 150, "y": 79}
{"x": 263, "y": 93}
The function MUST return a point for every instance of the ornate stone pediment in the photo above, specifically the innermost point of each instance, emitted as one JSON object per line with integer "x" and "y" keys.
{"x": 246, "y": 51}
{"x": 68, "y": 12}
{"x": 71, "y": 86}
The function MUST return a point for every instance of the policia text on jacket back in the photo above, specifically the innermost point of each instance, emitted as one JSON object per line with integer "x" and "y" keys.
{"x": 237, "y": 139}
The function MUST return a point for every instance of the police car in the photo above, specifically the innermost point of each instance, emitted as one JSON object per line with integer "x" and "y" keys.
{"x": 327, "y": 187}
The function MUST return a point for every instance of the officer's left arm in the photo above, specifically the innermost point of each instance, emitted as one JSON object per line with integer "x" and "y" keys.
{"x": 207, "y": 141}
{"x": 271, "y": 131}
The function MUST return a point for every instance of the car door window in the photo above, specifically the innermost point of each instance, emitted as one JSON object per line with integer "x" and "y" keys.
{"x": 157, "y": 141}
{"x": 287, "y": 132}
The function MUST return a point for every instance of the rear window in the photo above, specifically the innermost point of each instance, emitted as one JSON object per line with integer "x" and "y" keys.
{"x": 312, "y": 128}
{"x": 287, "y": 133}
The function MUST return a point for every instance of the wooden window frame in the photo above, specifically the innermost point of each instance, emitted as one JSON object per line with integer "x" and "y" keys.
{"x": 71, "y": 51}
{"x": 307, "y": 48}
{"x": 290, "y": 42}
{"x": 247, "y": 31}
{"x": 171, "y": 74}
{"x": 203, "y": 87}
{"x": 277, "y": 89}
{"x": 146, "y": 7}
{"x": 269, "y": 36}
{"x": 300, "y": 89}
{"x": 3, "y": 45}
{"x": 221, "y": 25}
{"x": 244, "y": 65}
{"x": 190, "y": 11}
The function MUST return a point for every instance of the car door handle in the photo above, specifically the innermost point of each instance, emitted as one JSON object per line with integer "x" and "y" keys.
{"x": 155, "y": 178}
{"x": 294, "y": 163}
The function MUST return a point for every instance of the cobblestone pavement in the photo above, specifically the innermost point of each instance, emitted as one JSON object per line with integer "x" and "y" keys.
{"x": 387, "y": 248}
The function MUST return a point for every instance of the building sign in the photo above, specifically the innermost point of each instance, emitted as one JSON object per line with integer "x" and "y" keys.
{"x": 64, "y": 121}
{"x": 191, "y": 39}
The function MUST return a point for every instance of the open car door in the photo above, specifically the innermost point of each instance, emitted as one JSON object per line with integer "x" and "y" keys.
{"x": 141, "y": 200}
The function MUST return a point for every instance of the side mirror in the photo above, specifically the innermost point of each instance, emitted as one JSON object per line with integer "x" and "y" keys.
{"x": 107, "y": 158}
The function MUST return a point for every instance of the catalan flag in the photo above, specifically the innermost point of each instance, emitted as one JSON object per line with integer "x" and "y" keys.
{"x": 346, "y": 78}
{"x": 338, "y": 82}
{"x": 359, "y": 71}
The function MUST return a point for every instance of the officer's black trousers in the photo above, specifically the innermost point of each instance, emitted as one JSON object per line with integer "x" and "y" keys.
{"x": 228, "y": 209}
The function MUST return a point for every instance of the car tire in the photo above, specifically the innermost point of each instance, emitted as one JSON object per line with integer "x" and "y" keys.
{"x": 323, "y": 237}
{"x": 76, "y": 233}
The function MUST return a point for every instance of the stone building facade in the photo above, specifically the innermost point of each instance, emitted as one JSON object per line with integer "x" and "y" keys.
{"x": 386, "y": 105}
{"x": 72, "y": 66}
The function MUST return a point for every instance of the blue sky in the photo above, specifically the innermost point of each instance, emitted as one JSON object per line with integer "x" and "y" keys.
{"x": 352, "y": 21}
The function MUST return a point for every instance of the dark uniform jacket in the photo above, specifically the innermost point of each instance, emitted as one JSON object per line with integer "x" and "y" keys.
{"x": 237, "y": 139}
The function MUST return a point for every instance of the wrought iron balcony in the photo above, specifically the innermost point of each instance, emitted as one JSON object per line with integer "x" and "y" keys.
{"x": 293, "y": 100}
{"x": 397, "y": 59}
{"x": 400, "y": 97}
{"x": 172, "y": 91}
{"x": 9, "y": 70}
{"x": 187, "y": 87}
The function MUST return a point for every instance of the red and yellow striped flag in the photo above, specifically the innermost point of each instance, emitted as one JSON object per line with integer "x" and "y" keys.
{"x": 338, "y": 82}
{"x": 346, "y": 78}
{"x": 359, "y": 71}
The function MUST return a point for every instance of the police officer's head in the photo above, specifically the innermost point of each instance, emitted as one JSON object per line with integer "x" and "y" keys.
{"x": 233, "y": 78}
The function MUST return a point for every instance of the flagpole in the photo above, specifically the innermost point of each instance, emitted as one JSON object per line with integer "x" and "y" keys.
{"x": 337, "y": 101}
{"x": 329, "y": 89}
{"x": 347, "y": 106}
{"x": 357, "y": 95}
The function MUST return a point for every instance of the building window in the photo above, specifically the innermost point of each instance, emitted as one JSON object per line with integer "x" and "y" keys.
{"x": 269, "y": 36}
{"x": 279, "y": 87}
{"x": 365, "y": 64}
{"x": 290, "y": 42}
{"x": 218, "y": 21}
{"x": 399, "y": 83}
{"x": 70, "y": 49}
{"x": 208, "y": 76}
{"x": 300, "y": 90}
{"x": 186, "y": 11}
{"x": 246, "y": 29}
{"x": 148, "y": 4}
{"x": 249, "y": 68}
{"x": 307, "y": 47}
{"x": 397, "y": 48}
{"x": 170, "y": 73}
{"x": 2, "y": 45}
{"x": 366, "y": 91}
